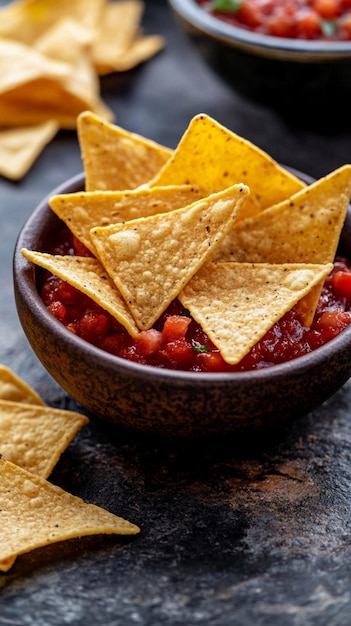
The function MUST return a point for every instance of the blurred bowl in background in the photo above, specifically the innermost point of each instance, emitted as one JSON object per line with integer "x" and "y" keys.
{"x": 309, "y": 80}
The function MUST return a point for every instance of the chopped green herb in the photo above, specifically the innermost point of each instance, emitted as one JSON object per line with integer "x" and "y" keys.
{"x": 329, "y": 27}
{"x": 230, "y": 6}
{"x": 186, "y": 313}
{"x": 200, "y": 348}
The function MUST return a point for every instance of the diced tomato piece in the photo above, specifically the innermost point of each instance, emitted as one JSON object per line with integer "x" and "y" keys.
{"x": 148, "y": 341}
{"x": 175, "y": 326}
{"x": 178, "y": 353}
{"x": 212, "y": 362}
{"x": 308, "y": 24}
{"x": 281, "y": 25}
{"x": 250, "y": 14}
{"x": 93, "y": 326}
{"x": 327, "y": 9}
{"x": 58, "y": 310}
{"x": 331, "y": 323}
{"x": 342, "y": 284}
{"x": 114, "y": 343}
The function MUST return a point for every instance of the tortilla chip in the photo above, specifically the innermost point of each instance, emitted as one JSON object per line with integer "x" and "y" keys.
{"x": 83, "y": 210}
{"x": 14, "y": 389}
{"x": 50, "y": 89}
{"x": 34, "y": 437}
{"x": 115, "y": 159}
{"x": 90, "y": 277}
{"x": 35, "y": 513}
{"x": 20, "y": 147}
{"x": 237, "y": 303}
{"x": 151, "y": 259}
{"x": 27, "y": 20}
{"x": 303, "y": 229}
{"x": 211, "y": 156}
{"x": 142, "y": 49}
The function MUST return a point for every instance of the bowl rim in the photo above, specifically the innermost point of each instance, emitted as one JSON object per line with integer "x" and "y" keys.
{"x": 302, "y": 50}
{"x": 24, "y": 281}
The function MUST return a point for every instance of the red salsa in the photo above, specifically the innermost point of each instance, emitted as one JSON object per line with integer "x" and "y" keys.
{"x": 328, "y": 20}
{"x": 177, "y": 342}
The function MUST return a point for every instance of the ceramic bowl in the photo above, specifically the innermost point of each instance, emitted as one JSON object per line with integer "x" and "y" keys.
{"x": 308, "y": 80}
{"x": 160, "y": 401}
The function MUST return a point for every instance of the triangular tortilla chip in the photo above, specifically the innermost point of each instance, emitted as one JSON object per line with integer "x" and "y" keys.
{"x": 303, "y": 229}
{"x": 14, "y": 389}
{"x": 20, "y": 147}
{"x": 82, "y": 211}
{"x": 35, "y": 513}
{"x": 27, "y": 20}
{"x": 142, "y": 49}
{"x": 118, "y": 45}
{"x": 90, "y": 277}
{"x": 34, "y": 437}
{"x": 211, "y": 156}
{"x": 237, "y": 303}
{"x": 114, "y": 158}
{"x": 151, "y": 259}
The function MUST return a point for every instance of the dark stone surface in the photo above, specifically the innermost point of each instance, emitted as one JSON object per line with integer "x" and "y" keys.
{"x": 236, "y": 532}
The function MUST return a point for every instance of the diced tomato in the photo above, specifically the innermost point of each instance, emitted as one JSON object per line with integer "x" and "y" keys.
{"x": 177, "y": 353}
{"x": 114, "y": 343}
{"x": 176, "y": 326}
{"x": 342, "y": 284}
{"x": 212, "y": 362}
{"x": 149, "y": 341}
{"x": 331, "y": 323}
{"x": 58, "y": 310}
{"x": 308, "y": 24}
{"x": 327, "y": 9}
{"x": 93, "y": 326}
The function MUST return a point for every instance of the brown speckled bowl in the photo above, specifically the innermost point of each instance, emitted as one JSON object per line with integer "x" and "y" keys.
{"x": 307, "y": 80}
{"x": 161, "y": 401}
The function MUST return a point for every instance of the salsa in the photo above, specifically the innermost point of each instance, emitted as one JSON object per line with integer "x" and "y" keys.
{"x": 177, "y": 342}
{"x": 328, "y": 20}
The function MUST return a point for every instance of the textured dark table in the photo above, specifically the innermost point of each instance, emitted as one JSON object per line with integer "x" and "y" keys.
{"x": 234, "y": 533}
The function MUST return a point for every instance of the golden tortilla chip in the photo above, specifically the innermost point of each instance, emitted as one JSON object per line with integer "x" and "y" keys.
{"x": 115, "y": 159}
{"x": 118, "y": 45}
{"x": 39, "y": 88}
{"x": 303, "y": 229}
{"x": 35, "y": 513}
{"x": 14, "y": 389}
{"x": 237, "y": 303}
{"x": 151, "y": 259}
{"x": 20, "y": 147}
{"x": 27, "y": 20}
{"x": 34, "y": 437}
{"x": 211, "y": 156}
{"x": 82, "y": 211}
{"x": 90, "y": 277}
{"x": 142, "y": 49}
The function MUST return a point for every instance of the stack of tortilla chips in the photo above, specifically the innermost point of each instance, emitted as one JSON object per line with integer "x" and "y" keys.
{"x": 216, "y": 223}
{"x": 51, "y": 57}
{"x": 33, "y": 511}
